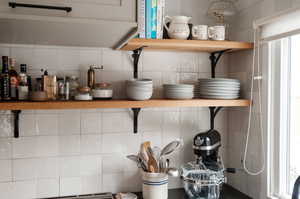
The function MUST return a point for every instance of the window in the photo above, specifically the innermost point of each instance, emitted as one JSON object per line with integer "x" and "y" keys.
{"x": 284, "y": 135}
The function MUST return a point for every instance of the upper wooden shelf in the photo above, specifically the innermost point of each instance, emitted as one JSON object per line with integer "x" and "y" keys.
{"x": 120, "y": 104}
{"x": 186, "y": 45}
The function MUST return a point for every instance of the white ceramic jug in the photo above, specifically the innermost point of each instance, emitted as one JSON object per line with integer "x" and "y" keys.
{"x": 179, "y": 27}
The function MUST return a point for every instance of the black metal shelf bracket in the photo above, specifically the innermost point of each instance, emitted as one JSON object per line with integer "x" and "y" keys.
{"x": 25, "y": 5}
{"x": 136, "y": 112}
{"x": 213, "y": 113}
{"x": 16, "y": 114}
{"x": 136, "y": 57}
{"x": 214, "y": 59}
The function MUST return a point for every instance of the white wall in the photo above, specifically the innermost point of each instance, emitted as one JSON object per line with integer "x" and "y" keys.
{"x": 83, "y": 151}
{"x": 240, "y": 67}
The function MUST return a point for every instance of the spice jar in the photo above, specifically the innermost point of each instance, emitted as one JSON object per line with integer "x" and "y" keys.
{"x": 74, "y": 85}
{"x": 84, "y": 94}
{"x": 102, "y": 91}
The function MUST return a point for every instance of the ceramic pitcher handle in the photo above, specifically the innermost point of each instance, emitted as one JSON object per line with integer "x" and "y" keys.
{"x": 167, "y": 19}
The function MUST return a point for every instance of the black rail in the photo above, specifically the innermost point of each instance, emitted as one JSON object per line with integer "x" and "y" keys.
{"x": 15, "y": 5}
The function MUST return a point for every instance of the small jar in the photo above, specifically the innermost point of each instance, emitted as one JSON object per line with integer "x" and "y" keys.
{"x": 102, "y": 91}
{"x": 84, "y": 94}
{"x": 74, "y": 85}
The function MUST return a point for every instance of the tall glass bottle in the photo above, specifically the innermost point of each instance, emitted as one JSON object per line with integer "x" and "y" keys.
{"x": 5, "y": 80}
{"x": 13, "y": 77}
{"x": 23, "y": 88}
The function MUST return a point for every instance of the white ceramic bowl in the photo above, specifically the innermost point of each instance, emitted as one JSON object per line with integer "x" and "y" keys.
{"x": 139, "y": 95}
{"x": 102, "y": 93}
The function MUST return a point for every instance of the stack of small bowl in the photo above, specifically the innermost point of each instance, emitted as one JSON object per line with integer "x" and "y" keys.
{"x": 179, "y": 91}
{"x": 218, "y": 88}
{"x": 139, "y": 89}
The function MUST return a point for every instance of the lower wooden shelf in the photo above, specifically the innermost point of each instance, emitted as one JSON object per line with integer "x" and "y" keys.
{"x": 121, "y": 104}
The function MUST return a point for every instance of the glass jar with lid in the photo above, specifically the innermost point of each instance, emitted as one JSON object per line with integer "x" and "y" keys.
{"x": 74, "y": 85}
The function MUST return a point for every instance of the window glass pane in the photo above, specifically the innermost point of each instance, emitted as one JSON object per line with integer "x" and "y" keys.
{"x": 294, "y": 139}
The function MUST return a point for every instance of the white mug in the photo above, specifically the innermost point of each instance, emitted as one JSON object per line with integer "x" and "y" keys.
{"x": 200, "y": 32}
{"x": 217, "y": 33}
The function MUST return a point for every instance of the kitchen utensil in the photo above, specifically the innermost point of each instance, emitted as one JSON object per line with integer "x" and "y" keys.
{"x": 217, "y": 33}
{"x": 200, "y": 32}
{"x": 171, "y": 147}
{"x": 173, "y": 172}
{"x": 178, "y": 28}
{"x": 153, "y": 164}
{"x": 140, "y": 163}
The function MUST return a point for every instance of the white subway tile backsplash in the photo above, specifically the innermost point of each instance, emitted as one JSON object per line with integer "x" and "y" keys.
{"x": 5, "y": 170}
{"x": 90, "y": 165}
{"x": 46, "y": 188}
{"x": 116, "y": 122}
{"x": 91, "y": 184}
{"x": 69, "y": 123}
{"x": 46, "y": 124}
{"x": 25, "y": 169}
{"x": 91, "y": 123}
{"x": 69, "y": 152}
{"x": 69, "y": 166}
{"x": 90, "y": 144}
{"x": 5, "y": 148}
{"x": 70, "y": 186}
{"x": 69, "y": 145}
{"x": 27, "y": 125}
{"x": 25, "y": 147}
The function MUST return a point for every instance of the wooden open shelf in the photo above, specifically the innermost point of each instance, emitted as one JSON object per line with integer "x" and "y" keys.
{"x": 186, "y": 45}
{"x": 121, "y": 104}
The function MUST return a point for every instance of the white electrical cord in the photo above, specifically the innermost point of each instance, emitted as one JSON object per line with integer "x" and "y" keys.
{"x": 251, "y": 107}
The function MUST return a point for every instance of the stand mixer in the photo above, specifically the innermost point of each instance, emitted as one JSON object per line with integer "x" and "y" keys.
{"x": 203, "y": 178}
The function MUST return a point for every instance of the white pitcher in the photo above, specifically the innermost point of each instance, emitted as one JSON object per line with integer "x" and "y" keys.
{"x": 179, "y": 27}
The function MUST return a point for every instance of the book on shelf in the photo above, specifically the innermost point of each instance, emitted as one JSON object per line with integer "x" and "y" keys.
{"x": 151, "y": 18}
{"x": 142, "y": 18}
{"x": 160, "y": 18}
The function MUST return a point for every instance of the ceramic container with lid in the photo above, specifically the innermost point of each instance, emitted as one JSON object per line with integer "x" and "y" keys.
{"x": 102, "y": 91}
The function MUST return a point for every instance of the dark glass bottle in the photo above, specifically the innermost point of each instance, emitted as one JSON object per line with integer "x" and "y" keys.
{"x": 13, "y": 77}
{"x": 5, "y": 80}
{"x": 23, "y": 88}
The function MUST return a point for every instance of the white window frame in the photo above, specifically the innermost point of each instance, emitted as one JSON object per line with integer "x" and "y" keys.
{"x": 279, "y": 68}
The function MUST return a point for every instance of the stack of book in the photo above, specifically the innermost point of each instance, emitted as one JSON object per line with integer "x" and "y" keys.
{"x": 151, "y": 14}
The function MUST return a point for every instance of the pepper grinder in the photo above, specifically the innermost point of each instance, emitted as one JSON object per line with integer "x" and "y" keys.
{"x": 92, "y": 75}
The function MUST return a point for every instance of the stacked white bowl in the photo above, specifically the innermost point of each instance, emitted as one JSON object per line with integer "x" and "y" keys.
{"x": 179, "y": 91}
{"x": 218, "y": 88}
{"x": 139, "y": 89}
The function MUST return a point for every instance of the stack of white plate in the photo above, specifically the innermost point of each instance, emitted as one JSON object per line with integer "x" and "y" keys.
{"x": 179, "y": 91}
{"x": 218, "y": 88}
{"x": 139, "y": 89}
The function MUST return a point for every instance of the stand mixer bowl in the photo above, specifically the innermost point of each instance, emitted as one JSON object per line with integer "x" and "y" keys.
{"x": 200, "y": 182}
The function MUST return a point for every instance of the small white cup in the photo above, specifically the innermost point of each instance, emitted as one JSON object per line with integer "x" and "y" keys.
{"x": 200, "y": 32}
{"x": 217, "y": 33}
{"x": 155, "y": 185}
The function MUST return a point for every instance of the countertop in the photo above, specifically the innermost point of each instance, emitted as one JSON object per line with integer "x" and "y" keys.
{"x": 228, "y": 192}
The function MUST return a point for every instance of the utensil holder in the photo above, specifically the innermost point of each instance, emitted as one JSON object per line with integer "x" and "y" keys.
{"x": 155, "y": 185}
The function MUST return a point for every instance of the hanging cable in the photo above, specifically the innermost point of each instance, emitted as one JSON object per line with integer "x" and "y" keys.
{"x": 256, "y": 44}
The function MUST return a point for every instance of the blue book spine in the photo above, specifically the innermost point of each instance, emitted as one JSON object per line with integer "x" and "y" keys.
{"x": 148, "y": 19}
{"x": 154, "y": 19}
